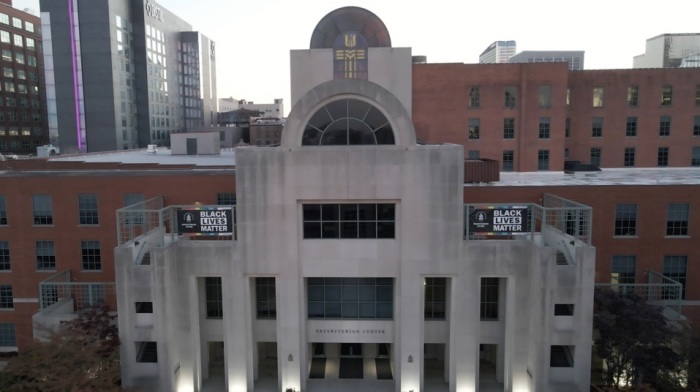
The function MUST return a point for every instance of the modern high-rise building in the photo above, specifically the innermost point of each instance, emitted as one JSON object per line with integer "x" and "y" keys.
{"x": 158, "y": 76}
{"x": 23, "y": 121}
{"x": 573, "y": 58}
{"x": 498, "y": 52}
{"x": 274, "y": 109}
{"x": 670, "y": 51}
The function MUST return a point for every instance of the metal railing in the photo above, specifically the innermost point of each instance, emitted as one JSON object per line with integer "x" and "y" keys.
{"x": 83, "y": 295}
{"x": 659, "y": 290}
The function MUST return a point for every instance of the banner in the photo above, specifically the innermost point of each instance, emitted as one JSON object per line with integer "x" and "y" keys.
{"x": 498, "y": 220}
{"x": 205, "y": 221}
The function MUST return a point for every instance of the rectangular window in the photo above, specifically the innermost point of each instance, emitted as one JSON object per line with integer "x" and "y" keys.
{"x": 435, "y": 298}
{"x": 265, "y": 298}
{"x": 350, "y": 298}
{"x": 563, "y": 309}
{"x": 18, "y": 40}
{"x": 6, "y": 55}
{"x": 29, "y": 26}
{"x": 508, "y": 160}
{"x": 45, "y": 256}
{"x": 349, "y": 220}
{"x": 146, "y": 352}
{"x": 626, "y": 220}
{"x": 6, "y": 300}
{"x": 676, "y": 268}
{"x": 4, "y": 19}
{"x": 43, "y": 209}
{"x": 543, "y": 160}
{"x": 629, "y": 157}
{"x": 694, "y": 157}
{"x": 143, "y": 307}
{"x": 511, "y": 93}
{"x": 677, "y": 219}
{"x": 623, "y": 269}
{"x": 474, "y": 128}
{"x": 696, "y": 126}
{"x": 474, "y": 98}
{"x": 16, "y": 22}
{"x": 662, "y": 157}
{"x": 226, "y": 199}
{"x": 489, "y": 299}
{"x": 4, "y": 256}
{"x": 214, "y": 297}
{"x": 665, "y": 126}
{"x": 597, "y": 127}
{"x": 30, "y": 43}
{"x": 545, "y": 96}
{"x": 632, "y": 96}
{"x": 631, "y": 129}
{"x": 4, "y": 37}
{"x": 544, "y": 128}
{"x": 666, "y": 95}
{"x": 567, "y": 128}
{"x": 697, "y": 95}
{"x": 509, "y": 128}
{"x": 561, "y": 356}
{"x": 3, "y": 211}
{"x": 133, "y": 218}
{"x": 474, "y": 154}
{"x": 87, "y": 209}
{"x": 598, "y": 97}
{"x": 90, "y": 253}
{"x": 8, "y": 336}
{"x": 568, "y": 96}
{"x": 596, "y": 156}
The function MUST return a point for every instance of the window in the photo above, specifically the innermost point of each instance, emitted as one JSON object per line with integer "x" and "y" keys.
{"x": 90, "y": 253}
{"x": 629, "y": 157}
{"x": 676, "y": 268}
{"x": 489, "y": 299}
{"x": 4, "y": 37}
{"x": 509, "y": 128}
{"x": 350, "y": 298}
{"x": 6, "y": 55}
{"x": 626, "y": 220}
{"x": 19, "y": 58}
{"x": 544, "y": 128}
{"x": 677, "y": 219}
{"x": 3, "y": 211}
{"x": 563, "y": 309}
{"x": 597, "y": 127}
{"x": 146, "y": 352}
{"x": 568, "y": 96}
{"x": 214, "y": 297}
{"x": 265, "y": 298}
{"x": 665, "y": 126}
{"x": 474, "y": 154}
{"x": 697, "y": 95}
{"x": 144, "y": 307}
{"x": 87, "y": 209}
{"x": 29, "y": 26}
{"x": 561, "y": 356}
{"x": 694, "y": 157}
{"x": 4, "y": 256}
{"x": 662, "y": 157}
{"x": 30, "y": 43}
{"x": 510, "y": 94}
{"x": 226, "y": 199}
{"x": 474, "y": 98}
{"x": 508, "y": 160}
{"x": 349, "y": 220}
{"x": 623, "y": 270}
{"x": 31, "y": 60}
{"x": 543, "y": 160}
{"x": 596, "y": 156}
{"x": 16, "y": 22}
{"x": 4, "y": 19}
{"x": 435, "y": 298}
{"x": 666, "y": 95}
{"x": 10, "y": 88}
{"x": 43, "y": 210}
{"x": 348, "y": 122}
{"x": 696, "y": 126}
{"x": 545, "y": 96}
{"x": 133, "y": 218}
{"x": 598, "y": 97}
{"x": 474, "y": 128}
{"x": 631, "y": 129}
{"x": 8, "y": 337}
{"x": 6, "y": 300}
{"x": 632, "y": 96}
{"x": 18, "y": 41}
{"x": 567, "y": 128}
{"x": 45, "y": 256}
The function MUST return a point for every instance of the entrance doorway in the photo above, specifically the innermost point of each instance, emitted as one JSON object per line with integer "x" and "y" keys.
{"x": 489, "y": 368}
{"x": 434, "y": 361}
{"x": 351, "y": 361}
{"x": 318, "y": 361}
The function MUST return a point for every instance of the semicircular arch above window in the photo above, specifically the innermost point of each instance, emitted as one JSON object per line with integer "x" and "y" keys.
{"x": 347, "y": 122}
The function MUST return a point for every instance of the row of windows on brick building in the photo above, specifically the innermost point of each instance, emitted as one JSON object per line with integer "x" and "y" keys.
{"x": 544, "y": 127}
{"x": 510, "y": 93}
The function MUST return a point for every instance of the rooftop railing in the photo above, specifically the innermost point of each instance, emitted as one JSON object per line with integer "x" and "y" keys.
{"x": 659, "y": 290}
{"x": 60, "y": 291}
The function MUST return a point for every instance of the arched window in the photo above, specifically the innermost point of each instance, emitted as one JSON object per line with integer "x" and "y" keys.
{"x": 347, "y": 122}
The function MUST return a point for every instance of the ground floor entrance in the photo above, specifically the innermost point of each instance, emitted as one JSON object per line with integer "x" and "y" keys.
{"x": 360, "y": 361}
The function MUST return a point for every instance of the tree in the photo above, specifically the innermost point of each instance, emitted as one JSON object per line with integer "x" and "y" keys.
{"x": 638, "y": 344}
{"x": 82, "y": 356}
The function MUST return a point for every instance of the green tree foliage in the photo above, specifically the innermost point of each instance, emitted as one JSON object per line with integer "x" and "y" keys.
{"x": 638, "y": 344}
{"x": 82, "y": 356}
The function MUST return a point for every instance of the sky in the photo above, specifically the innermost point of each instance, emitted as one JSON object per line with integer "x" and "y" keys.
{"x": 254, "y": 37}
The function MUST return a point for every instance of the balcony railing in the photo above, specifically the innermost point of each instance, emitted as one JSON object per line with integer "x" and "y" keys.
{"x": 58, "y": 290}
{"x": 659, "y": 290}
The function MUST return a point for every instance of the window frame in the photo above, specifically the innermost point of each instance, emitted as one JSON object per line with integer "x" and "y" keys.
{"x": 91, "y": 255}
{"x": 474, "y": 128}
{"x": 489, "y": 299}
{"x": 509, "y": 128}
{"x": 629, "y": 157}
{"x": 6, "y": 297}
{"x": 677, "y": 219}
{"x": 213, "y": 297}
{"x": 544, "y": 128}
{"x": 474, "y": 97}
{"x": 45, "y": 251}
{"x": 666, "y": 95}
{"x": 373, "y": 299}
{"x": 435, "y": 301}
{"x": 676, "y": 267}
{"x": 597, "y": 127}
{"x": 42, "y": 209}
{"x": 598, "y": 96}
{"x": 633, "y": 96}
{"x": 265, "y": 308}
{"x": 382, "y": 226}
{"x": 631, "y": 126}
{"x": 662, "y": 156}
{"x": 664, "y": 125}
{"x": 542, "y": 160}
{"x": 88, "y": 209}
{"x": 508, "y": 164}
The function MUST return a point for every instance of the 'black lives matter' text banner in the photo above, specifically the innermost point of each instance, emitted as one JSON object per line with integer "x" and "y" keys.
{"x": 498, "y": 220}
{"x": 205, "y": 221}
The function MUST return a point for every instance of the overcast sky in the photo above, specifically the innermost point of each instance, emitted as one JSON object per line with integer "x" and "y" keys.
{"x": 253, "y": 38}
